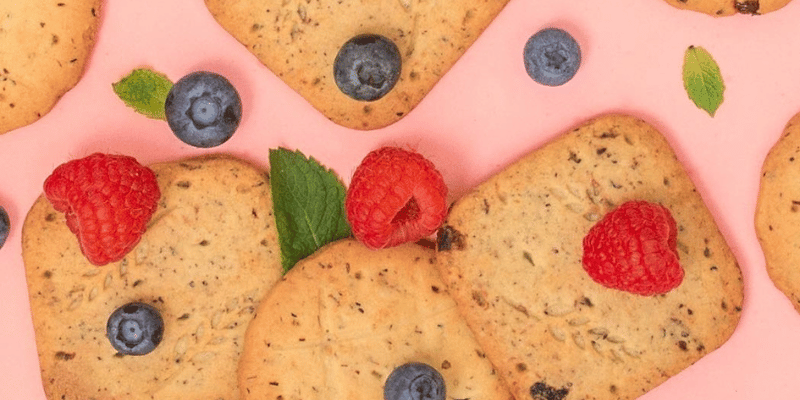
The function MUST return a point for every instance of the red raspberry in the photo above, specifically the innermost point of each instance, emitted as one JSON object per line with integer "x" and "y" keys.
{"x": 107, "y": 201}
{"x": 395, "y": 196}
{"x": 634, "y": 248}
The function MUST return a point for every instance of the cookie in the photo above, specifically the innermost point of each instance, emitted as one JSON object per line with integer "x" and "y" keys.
{"x": 209, "y": 254}
{"x": 510, "y": 252}
{"x": 44, "y": 47}
{"x": 344, "y": 318}
{"x": 720, "y": 8}
{"x": 299, "y": 40}
{"x": 777, "y": 209}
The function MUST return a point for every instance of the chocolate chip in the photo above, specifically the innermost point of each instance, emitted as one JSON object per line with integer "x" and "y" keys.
{"x": 449, "y": 238}
{"x": 608, "y": 135}
{"x": 748, "y": 7}
{"x": 541, "y": 391}
{"x": 61, "y": 355}
{"x": 479, "y": 299}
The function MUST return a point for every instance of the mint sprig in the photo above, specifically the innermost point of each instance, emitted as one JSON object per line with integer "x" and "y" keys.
{"x": 702, "y": 79}
{"x": 145, "y": 91}
{"x": 308, "y": 200}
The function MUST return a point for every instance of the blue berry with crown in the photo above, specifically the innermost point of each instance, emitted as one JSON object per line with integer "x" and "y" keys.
{"x": 5, "y": 226}
{"x": 203, "y": 109}
{"x": 135, "y": 329}
{"x": 414, "y": 381}
{"x": 552, "y": 57}
{"x": 367, "y": 67}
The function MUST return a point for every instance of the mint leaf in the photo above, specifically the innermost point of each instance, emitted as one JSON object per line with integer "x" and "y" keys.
{"x": 309, "y": 205}
{"x": 145, "y": 91}
{"x": 702, "y": 79}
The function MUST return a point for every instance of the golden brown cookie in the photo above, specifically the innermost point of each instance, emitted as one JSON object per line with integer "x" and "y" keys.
{"x": 511, "y": 254}
{"x": 720, "y": 8}
{"x": 209, "y": 254}
{"x": 44, "y": 47}
{"x": 778, "y": 212}
{"x": 343, "y": 319}
{"x": 298, "y": 40}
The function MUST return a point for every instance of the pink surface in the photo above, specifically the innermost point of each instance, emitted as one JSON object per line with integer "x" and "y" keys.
{"x": 485, "y": 113}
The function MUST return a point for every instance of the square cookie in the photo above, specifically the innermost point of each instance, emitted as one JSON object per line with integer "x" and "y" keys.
{"x": 299, "y": 40}
{"x": 344, "y": 318}
{"x": 510, "y": 252}
{"x": 209, "y": 254}
{"x": 721, "y": 8}
{"x": 45, "y": 47}
{"x": 778, "y": 212}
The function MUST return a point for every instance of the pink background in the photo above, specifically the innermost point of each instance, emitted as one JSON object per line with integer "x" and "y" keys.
{"x": 485, "y": 113}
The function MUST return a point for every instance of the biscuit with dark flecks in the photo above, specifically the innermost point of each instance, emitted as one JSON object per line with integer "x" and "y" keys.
{"x": 511, "y": 254}
{"x": 778, "y": 211}
{"x": 343, "y": 319}
{"x": 299, "y": 40}
{"x": 44, "y": 48}
{"x": 209, "y": 254}
{"x": 721, "y": 8}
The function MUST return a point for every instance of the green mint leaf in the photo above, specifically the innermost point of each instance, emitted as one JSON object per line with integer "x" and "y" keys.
{"x": 309, "y": 205}
{"x": 145, "y": 91}
{"x": 702, "y": 79}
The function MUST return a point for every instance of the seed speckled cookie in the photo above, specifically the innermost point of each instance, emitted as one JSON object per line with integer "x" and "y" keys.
{"x": 778, "y": 212}
{"x": 341, "y": 320}
{"x": 44, "y": 47}
{"x": 510, "y": 252}
{"x": 720, "y": 8}
{"x": 298, "y": 40}
{"x": 209, "y": 254}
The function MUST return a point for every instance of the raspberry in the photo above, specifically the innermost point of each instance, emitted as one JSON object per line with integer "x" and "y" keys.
{"x": 395, "y": 196}
{"x": 634, "y": 248}
{"x": 107, "y": 201}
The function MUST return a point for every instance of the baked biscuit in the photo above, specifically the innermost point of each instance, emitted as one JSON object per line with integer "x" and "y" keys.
{"x": 209, "y": 253}
{"x": 720, "y": 8}
{"x": 44, "y": 47}
{"x": 342, "y": 319}
{"x": 299, "y": 40}
{"x": 510, "y": 252}
{"x": 777, "y": 219}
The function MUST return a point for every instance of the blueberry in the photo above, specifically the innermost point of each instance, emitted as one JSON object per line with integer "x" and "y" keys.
{"x": 5, "y": 226}
{"x": 552, "y": 57}
{"x": 367, "y": 67}
{"x": 135, "y": 329}
{"x": 203, "y": 109}
{"x": 414, "y": 381}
